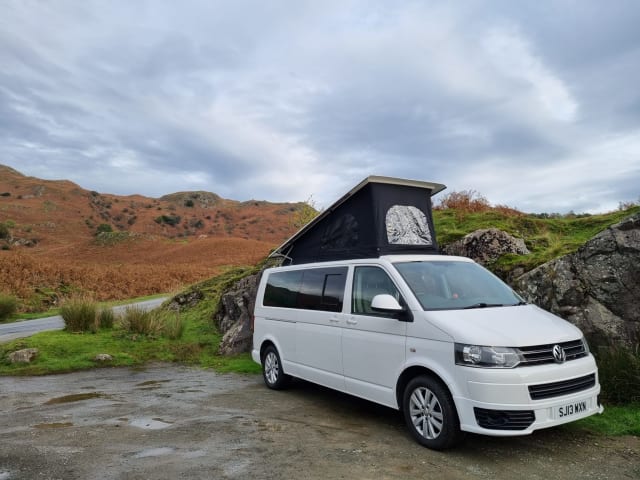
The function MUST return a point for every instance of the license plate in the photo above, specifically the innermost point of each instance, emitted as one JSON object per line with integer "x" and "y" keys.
{"x": 571, "y": 409}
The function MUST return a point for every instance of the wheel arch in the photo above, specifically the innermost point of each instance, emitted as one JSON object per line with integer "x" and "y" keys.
{"x": 412, "y": 372}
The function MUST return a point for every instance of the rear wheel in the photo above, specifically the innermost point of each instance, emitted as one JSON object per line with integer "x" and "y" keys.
{"x": 430, "y": 413}
{"x": 274, "y": 376}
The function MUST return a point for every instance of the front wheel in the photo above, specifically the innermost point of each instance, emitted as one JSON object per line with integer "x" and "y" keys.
{"x": 274, "y": 376}
{"x": 430, "y": 413}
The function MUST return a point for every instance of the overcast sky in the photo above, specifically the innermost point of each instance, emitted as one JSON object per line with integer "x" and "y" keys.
{"x": 534, "y": 104}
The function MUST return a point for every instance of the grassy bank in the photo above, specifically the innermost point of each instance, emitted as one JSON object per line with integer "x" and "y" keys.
{"x": 546, "y": 236}
{"x": 63, "y": 351}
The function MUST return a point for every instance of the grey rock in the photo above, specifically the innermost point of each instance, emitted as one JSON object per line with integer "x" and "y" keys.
{"x": 597, "y": 288}
{"x": 234, "y": 315}
{"x": 103, "y": 357}
{"x": 26, "y": 355}
{"x": 487, "y": 245}
{"x": 186, "y": 299}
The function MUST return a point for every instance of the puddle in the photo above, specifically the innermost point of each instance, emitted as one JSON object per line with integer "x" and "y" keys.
{"x": 77, "y": 397}
{"x": 52, "y": 425}
{"x": 149, "y": 423}
{"x": 4, "y": 475}
{"x": 154, "y": 452}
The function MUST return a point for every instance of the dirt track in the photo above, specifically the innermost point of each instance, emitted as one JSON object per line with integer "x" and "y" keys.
{"x": 176, "y": 422}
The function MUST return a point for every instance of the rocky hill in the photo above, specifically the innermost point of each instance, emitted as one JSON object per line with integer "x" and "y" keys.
{"x": 57, "y": 238}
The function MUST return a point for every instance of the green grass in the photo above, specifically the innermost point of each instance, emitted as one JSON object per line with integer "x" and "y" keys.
{"x": 616, "y": 420}
{"x": 62, "y": 351}
{"x": 546, "y": 238}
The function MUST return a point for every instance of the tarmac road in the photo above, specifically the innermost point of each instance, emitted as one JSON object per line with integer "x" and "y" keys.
{"x": 168, "y": 422}
{"x": 11, "y": 331}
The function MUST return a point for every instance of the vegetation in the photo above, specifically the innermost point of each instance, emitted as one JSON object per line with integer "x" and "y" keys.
{"x": 304, "y": 214}
{"x": 547, "y": 236}
{"x": 104, "y": 228}
{"x": 188, "y": 336}
{"x": 137, "y": 320}
{"x": 81, "y": 314}
{"x": 616, "y": 420}
{"x": 172, "y": 220}
{"x": 8, "y": 306}
{"x": 619, "y": 374}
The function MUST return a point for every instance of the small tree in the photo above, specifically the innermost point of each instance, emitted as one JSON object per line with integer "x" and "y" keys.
{"x": 304, "y": 214}
{"x": 104, "y": 228}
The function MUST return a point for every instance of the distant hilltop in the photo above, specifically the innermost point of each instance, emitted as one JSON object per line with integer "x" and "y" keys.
{"x": 56, "y": 212}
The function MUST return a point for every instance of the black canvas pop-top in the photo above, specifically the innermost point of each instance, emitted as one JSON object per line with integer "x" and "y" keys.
{"x": 381, "y": 215}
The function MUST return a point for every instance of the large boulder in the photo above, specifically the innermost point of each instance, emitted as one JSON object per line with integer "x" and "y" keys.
{"x": 234, "y": 315}
{"x": 487, "y": 245}
{"x": 597, "y": 288}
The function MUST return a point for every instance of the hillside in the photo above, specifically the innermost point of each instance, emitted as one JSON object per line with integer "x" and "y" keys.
{"x": 50, "y": 247}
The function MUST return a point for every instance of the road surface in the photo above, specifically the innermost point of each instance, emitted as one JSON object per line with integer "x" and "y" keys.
{"x": 11, "y": 331}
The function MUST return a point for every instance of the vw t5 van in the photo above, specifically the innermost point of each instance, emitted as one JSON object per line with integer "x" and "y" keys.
{"x": 438, "y": 337}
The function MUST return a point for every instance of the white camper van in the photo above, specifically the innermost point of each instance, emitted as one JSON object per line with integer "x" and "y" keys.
{"x": 438, "y": 337}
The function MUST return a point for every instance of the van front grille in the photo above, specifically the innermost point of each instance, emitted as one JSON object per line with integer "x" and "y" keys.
{"x": 557, "y": 389}
{"x": 541, "y": 354}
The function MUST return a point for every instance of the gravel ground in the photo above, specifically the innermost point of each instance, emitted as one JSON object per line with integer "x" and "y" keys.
{"x": 168, "y": 422}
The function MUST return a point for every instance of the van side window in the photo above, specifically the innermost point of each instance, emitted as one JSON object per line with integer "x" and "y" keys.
{"x": 282, "y": 289}
{"x": 312, "y": 289}
{"x": 367, "y": 283}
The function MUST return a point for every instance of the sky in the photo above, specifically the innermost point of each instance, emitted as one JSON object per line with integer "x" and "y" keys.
{"x": 533, "y": 104}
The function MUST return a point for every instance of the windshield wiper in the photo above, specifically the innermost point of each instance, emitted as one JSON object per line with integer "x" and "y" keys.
{"x": 483, "y": 305}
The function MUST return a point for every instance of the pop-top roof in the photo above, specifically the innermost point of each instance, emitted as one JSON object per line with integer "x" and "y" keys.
{"x": 380, "y": 215}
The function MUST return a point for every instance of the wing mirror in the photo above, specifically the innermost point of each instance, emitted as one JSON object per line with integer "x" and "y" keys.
{"x": 385, "y": 303}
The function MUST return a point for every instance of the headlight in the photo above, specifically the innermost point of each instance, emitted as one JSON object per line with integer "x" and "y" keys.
{"x": 487, "y": 357}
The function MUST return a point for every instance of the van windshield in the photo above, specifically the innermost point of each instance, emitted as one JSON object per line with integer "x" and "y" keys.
{"x": 452, "y": 285}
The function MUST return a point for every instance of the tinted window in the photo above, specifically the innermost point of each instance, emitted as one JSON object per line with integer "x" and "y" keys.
{"x": 282, "y": 289}
{"x": 312, "y": 289}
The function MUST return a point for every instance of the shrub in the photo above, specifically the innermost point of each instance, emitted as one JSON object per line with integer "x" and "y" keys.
{"x": 79, "y": 315}
{"x": 619, "y": 374}
{"x": 4, "y": 231}
{"x": 8, "y": 306}
{"x": 173, "y": 326}
{"x": 104, "y": 228}
{"x": 188, "y": 203}
{"x": 153, "y": 323}
{"x": 145, "y": 322}
{"x": 468, "y": 201}
{"x": 106, "y": 318}
{"x": 172, "y": 220}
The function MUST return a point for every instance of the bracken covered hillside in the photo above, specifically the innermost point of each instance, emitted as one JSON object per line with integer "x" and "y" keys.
{"x": 51, "y": 245}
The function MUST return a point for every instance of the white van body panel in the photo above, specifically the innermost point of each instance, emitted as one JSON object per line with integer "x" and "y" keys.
{"x": 366, "y": 355}
{"x": 504, "y": 326}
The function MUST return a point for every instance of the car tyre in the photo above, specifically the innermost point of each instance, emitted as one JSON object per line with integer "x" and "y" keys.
{"x": 274, "y": 376}
{"x": 430, "y": 413}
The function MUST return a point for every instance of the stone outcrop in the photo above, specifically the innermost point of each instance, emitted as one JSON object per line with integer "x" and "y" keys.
{"x": 186, "y": 299}
{"x": 102, "y": 358}
{"x": 597, "y": 288}
{"x": 26, "y": 355}
{"x": 487, "y": 245}
{"x": 234, "y": 315}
